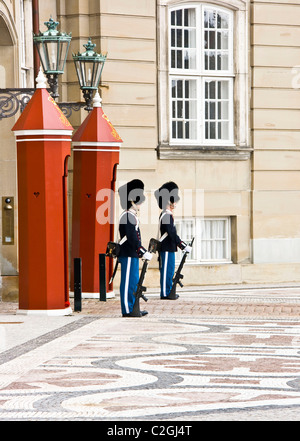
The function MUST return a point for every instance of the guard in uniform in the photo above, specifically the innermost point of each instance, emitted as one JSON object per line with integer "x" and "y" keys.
{"x": 167, "y": 198}
{"x": 131, "y": 249}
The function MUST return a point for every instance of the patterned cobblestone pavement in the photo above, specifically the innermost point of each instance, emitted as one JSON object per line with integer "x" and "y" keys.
{"x": 214, "y": 354}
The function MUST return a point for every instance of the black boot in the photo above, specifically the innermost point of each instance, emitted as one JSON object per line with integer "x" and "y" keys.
{"x": 135, "y": 314}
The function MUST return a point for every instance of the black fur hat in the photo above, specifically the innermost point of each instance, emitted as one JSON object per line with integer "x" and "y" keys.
{"x": 166, "y": 194}
{"x": 132, "y": 192}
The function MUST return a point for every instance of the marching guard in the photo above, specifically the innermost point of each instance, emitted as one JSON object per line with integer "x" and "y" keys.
{"x": 131, "y": 249}
{"x": 167, "y": 198}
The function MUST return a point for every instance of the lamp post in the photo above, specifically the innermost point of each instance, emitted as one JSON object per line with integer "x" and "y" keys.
{"x": 52, "y": 47}
{"x": 89, "y": 67}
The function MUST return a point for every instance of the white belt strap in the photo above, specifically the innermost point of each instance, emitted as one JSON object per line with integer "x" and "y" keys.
{"x": 163, "y": 237}
{"x": 165, "y": 234}
{"x": 123, "y": 240}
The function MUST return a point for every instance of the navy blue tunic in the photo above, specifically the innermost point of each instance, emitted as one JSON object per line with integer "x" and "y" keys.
{"x": 172, "y": 241}
{"x": 129, "y": 227}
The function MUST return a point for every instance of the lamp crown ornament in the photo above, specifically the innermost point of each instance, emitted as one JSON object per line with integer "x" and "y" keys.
{"x": 52, "y": 30}
{"x": 51, "y": 24}
{"x": 90, "y": 52}
{"x": 89, "y": 47}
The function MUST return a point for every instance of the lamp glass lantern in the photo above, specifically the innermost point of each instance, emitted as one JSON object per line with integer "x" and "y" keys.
{"x": 89, "y": 66}
{"x": 52, "y": 47}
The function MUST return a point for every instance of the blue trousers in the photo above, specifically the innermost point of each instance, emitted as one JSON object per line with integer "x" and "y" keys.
{"x": 166, "y": 272}
{"x": 129, "y": 281}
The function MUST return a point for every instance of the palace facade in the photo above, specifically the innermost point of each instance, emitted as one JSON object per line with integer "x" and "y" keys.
{"x": 204, "y": 93}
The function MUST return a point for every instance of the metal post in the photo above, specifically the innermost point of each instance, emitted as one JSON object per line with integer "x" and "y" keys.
{"x": 77, "y": 284}
{"x": 102, "y": 277}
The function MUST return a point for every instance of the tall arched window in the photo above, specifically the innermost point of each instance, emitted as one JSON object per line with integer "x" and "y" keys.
{"x": 201, "y": 75}
{"x": 202, "y": 69}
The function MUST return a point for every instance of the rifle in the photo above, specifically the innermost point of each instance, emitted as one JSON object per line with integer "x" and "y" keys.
{"x": 152, "y": 248}
{"x": 178, "y": 276}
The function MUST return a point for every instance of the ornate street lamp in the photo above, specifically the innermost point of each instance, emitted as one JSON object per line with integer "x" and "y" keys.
{"x": 52, "y": 47}
{"x": 89, "y": 67}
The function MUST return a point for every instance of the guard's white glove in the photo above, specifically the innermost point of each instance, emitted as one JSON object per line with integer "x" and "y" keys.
{"x": 147, "y": 256}
{"x": 187, "y": 249}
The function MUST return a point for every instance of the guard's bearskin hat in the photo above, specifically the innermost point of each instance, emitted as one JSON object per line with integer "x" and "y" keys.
{"x": 166, "y": 194}
{"x": 131, "y": 193}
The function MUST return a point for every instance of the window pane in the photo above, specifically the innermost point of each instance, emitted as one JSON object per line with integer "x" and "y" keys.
{"x": 222, "y": 20}
{"x": 223, "y": 110}
{"x": 180, "y": 129}
{"x": 223, "y": 90}
{"x": 212, "y": 113}
{"x": 179, "y": 109}
{"x": 189, "y": 38}
{"x": 173, "y": 18}
{"x": 179, "y": 59}
{"x": 174, "y": 89}
{"x": 189, "y": 17}
{"x": 212, "y": 42}
{"x": 179, "y": 17}
{"x": 179, "y": 89}
{"x": 179, "y": 38}
{"x": 205, "y": 22}
{"x": 222, "y": 40}
{"x": 192, "y": 109}
{"x": 211, "y": 19}
{"x": 222, "y": 63}
{"x": 186, "y": 60}
{"x": 187, "y": 129}
{"x": 223, "y": 130}
{"x": 187, "y": 110}
{"x": 186, "y": 17}
{"x": 212, "y": 61}
{"x": 173, "y": 41}
{"x": 212, "y": 89}
{"x": 193, "y": 130}
{"x": 212, "y": 130}
{"x": 173, "y": 109}
{"x": 174, "y": 134}
{"x": 173, "y": 64}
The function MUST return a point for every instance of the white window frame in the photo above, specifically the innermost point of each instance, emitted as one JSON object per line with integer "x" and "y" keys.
{"x": 201, "y": 76}
{"x": 195, "y": 256}
{"x": 241, "y": 85}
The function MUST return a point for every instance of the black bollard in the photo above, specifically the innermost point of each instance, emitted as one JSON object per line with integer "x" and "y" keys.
{"x": 77, "y": 284}
{"x": 102, "y": 277}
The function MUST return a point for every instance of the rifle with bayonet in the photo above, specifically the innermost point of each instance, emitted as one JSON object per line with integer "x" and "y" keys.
{"x": 139, "y": 293}
{"x": 178, "y": 276}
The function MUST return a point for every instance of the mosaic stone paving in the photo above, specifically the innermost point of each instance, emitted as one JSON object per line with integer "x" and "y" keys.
{"x": 176, "y": 368}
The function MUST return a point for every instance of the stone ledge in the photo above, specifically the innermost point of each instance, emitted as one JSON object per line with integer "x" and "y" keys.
{"x": 216, "y": 153}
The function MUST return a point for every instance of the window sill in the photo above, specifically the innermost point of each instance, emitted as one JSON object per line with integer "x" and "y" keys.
{"x": 215, "y": 153}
